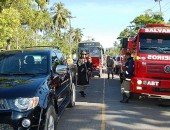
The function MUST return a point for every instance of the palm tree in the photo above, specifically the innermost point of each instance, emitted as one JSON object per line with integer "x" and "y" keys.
{"x": 76, "y": 38}
{"x": 60, "y": 18}
{"x": 77, "y": 35}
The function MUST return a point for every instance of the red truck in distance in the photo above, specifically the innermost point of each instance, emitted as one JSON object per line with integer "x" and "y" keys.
{"x": 152, "y": 62}
{"x": 96, "y": 52}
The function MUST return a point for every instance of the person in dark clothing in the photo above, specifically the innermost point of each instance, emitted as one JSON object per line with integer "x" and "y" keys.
{"x": 89, "y": 66}
{"x": 110, "y": 66}
{"x": 128, "y": 74}
{"x": 83, "y": 80}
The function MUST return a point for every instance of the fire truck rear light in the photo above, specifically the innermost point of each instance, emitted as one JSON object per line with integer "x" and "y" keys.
{"x": 138, "y": 87}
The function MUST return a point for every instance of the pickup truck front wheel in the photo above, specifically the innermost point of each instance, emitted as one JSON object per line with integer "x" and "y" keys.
{"x": 72, "y": 96}
{"x": 51, "y": 119}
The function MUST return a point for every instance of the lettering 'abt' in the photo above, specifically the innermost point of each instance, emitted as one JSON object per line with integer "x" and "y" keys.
{"x": 153, "y": 83}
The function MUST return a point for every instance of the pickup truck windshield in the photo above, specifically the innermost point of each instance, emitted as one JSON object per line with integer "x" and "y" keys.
{"x": 23, "y": 63}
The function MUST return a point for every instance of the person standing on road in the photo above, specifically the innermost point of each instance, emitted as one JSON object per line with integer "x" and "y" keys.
{"x": 89, "y": 66}
{"x": 110, "y": 66}
{"x": 128, "y": 74}
{"x": 83, "y": 80}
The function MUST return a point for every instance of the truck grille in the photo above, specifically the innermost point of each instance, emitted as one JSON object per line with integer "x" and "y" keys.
{"x": 167, "y": 90}
{"x": 155, "y": 68}
{"x": 5, "y": 127}
{"x": 3, "y": 104}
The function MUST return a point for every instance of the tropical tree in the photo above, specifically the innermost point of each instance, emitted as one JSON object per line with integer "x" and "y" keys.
{"x": 60, "y": 18}
{"x": 41, "y": 3}
{"x": 141, "y": 20}
{"x": 124, "y": 33}
{"x": 76, "y": 37}
{"x": 29, "y": 17}
{"x": 28, "y": 22}
{"x": 148, "y": 17}
{"x": 9, "y": 24}
{"x": 138, "y": 22}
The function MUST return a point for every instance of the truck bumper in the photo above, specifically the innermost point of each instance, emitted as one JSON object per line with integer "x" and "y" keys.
{"x": 154, "y": 88}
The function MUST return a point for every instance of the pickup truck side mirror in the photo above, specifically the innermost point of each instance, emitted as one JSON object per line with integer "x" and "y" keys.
{"x": 61, "y": 69}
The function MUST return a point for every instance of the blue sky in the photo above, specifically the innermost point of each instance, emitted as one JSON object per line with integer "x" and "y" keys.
{"x": 103, "y": 20}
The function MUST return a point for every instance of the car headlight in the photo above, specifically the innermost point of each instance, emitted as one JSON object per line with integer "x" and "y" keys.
{"x": 24, "y": 104}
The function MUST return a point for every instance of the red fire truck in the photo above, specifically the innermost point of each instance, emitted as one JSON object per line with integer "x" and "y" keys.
{"x": 152, "y": 62}
{"x": 127, "y": 46}
{"x": 96, "y": 52}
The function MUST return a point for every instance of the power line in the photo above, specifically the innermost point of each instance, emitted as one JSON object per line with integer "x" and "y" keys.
{"x": 165, "y": 4}
{"x": 166, "y": 10}
{"x": 154, "y": 6}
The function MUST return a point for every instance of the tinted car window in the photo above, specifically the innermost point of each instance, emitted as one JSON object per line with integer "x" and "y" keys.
{"x": 23, "y": 63}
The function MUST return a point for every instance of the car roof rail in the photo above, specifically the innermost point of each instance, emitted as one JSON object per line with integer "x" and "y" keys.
{"x": 54, "y": 47}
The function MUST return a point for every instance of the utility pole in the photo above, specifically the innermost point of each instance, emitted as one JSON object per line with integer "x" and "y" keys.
{"x": 159, "y": 5}
{"x": 70, "y": 35}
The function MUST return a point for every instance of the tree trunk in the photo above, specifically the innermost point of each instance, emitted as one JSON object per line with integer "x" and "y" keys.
{"x": 8, "y": 44}
{"x": 17, "y": 43}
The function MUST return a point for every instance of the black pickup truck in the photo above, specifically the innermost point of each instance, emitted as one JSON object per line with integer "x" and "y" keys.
{"x": 36, "y": 85}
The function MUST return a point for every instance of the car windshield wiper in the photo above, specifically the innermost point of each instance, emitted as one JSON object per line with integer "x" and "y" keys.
{"x": 4, "y": 73}
{"x": 165, "y": 50}
{"x": 157, "y": 49}
{"x": 148, "y": 48}
{"x": 20, "y": 73}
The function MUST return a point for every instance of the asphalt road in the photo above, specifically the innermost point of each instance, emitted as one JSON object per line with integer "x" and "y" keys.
{"x": 101, "y": 110}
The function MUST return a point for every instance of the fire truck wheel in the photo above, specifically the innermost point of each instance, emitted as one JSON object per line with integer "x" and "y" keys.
{"x": 134, "y": 96}
{"x": 164, "y": 102}
{"x": 100, "y": 73}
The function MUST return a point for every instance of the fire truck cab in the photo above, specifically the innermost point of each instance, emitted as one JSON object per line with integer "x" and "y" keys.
{"x": 152, "y": 62}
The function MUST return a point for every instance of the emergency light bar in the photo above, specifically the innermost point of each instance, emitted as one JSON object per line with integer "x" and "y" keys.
{"x": 157, "y": 25}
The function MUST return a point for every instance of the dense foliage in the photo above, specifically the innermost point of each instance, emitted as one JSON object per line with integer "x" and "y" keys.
{"x": 25, "y": 23}
{"x": 140, "y": 21}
